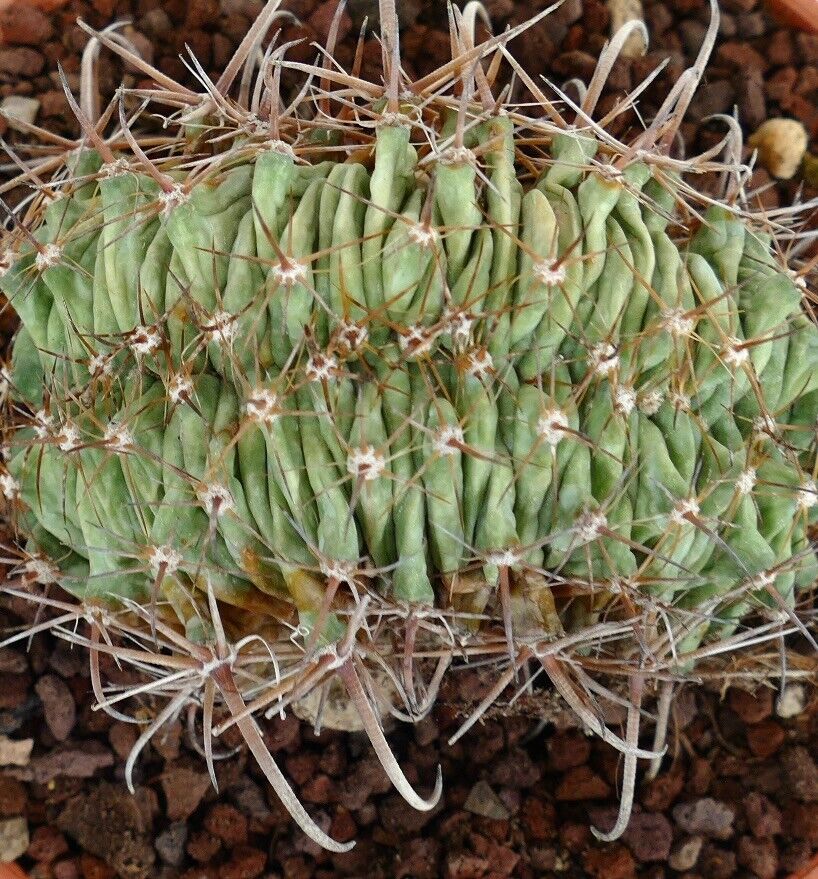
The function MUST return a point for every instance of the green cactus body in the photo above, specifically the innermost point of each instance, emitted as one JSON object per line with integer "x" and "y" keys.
{"x": 545, "y": 397}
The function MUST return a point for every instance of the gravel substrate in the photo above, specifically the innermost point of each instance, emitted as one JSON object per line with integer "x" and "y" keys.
{"x": 738, "y": 793}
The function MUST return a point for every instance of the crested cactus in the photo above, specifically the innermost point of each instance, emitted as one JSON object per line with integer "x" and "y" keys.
{"x": 399, "y": 376}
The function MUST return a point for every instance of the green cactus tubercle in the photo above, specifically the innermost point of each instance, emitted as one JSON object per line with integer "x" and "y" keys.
{"x": 524, "y": 387}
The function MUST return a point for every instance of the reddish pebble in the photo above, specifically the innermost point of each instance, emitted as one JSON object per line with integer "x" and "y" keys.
{"x": 766, "y": 738}
{"x": 343, "y": 826}
{"x": 759, "y": 856}
{"x": 582, "y": 783}
{"x": 227, "y": 823}
{"x": 610, "y": 862}
{"x": 203, "y": 846}
{"x": 763, "y": 816}
{"x": 95, "y": 868}
{"x": 567, "y": 750}
{"x": 246, "y": 863}
{"x": 47, "y": 844}
{"x": 24, "y": 25}
{"x": 751, "y": 707}
{"x": 539, "y": 819}
{"x": 66, "y": 870}
{"x": 574, "y": 835}
{"x": 12, "y": 797}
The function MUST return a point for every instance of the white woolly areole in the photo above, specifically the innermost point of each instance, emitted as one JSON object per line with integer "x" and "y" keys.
{"x": 5, "y": 381}
{"x": 423, "y": 235}
{"x": 42, "y": 424}
{"x": 624, "y": 399}
{"x": 683, "y": 509}
{"x": 459, "y": 323}
{"x": 216, "y": 498}
{"x": 114, "y": 169}
{"x": 365, "y": 463}
{"x": 274, "y": 145}
{"x": 290, "y": 274}
{"x": 603, "y": 358}
{"x": 222, "y": 327}
{"x": 117, "y": 437}
{"x": 763, "y": 580}
{"x": 164, "y": 558}
{"x": 262, "y": 406}
{"x": 144, "y": 340}
{"x": 172, "y": 198}
{"x": 746, "y": 481}
{"x": 589, "y": 525}
{"x": 100, "y": 364}
{"x": 49, "y": 256}
{"x": 676, "y": 322}
{"x": 503, "y": 558}
{"x": 457, "y": 156}
{"x": 338, "y": 569}
{"x": 7, "y": 259}
{"x": 41, "y": 571}
{"x": 806, "y": 496}
{"x": 416, "y": 341}
{"x": 549, "y": 271}
{"x": 9, "y": 486}
{"x": 797, "y": 278}
{"x": 679, "y": 400}
{"x": 479, "y": 363}
{"x": 320, "y": 367}
{"x": 445, "y": 441}
{"x": 179, "y": 388}
{"x": 69, "y": 437}
{"x": 734, "y": 354}
{"x": 551, "y": 426}
{"x": 352, "y": 335}
{"x": 764, "y": 424}
{"x": 650, "y": 402}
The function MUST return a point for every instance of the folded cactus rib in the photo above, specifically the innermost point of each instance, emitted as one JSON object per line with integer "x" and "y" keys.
{"x": 292, "y": 378}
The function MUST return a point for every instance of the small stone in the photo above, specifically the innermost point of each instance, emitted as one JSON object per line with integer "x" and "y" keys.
{"x": 660, "y": 793}
{"x": 482, "y": 800}
{"x": 611, "y": 862}
{"x": 75, "y": 760}
{"x": 58, "y": 703}
{"x": 122, "y": 737}
{"x": 24, "y": 25}
{"x": 763, "y": 816}
{"x": 716, "y": 863}
{"x": 781, "y": 144}
{"x": 568, "y": 749}
{"x": 13, "y": 838}
{"x": 807, "y": 47}
{"x": 740, "y": 55}
{"x": 582, "y": 783}
{"x": 758, "y": 855}
{"x": 67, "y": 869}
{"x": 47, "y": 844}
{"x": 203, "y": 846}
{"x": 21, "y": 62}
{"x": 246, "y": 862}
{"x": 792, "y": 701}
{"x": 705, "y": 816}
{"x": 12, "y": 797}
{"x": 343, "y": 827}
{"x": 751, "y": 98}
{"x": 170, "y": 844}
{"x": 515, "y": 769}
{"x": 15, "y": 752}
{"x": 320, "y": 790}
{"x": 321, "y": 21}
{"x": 227, "y": 823}
{"x": 685, "y": 853}
{"x": 93, "y": 867}
{"x": 800, "y": 774}
{"x": 766, "y": 738}
{"x": 184, "y": 789}
{"x": 751, "y": 25}
{"x": 649, "y": 837}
